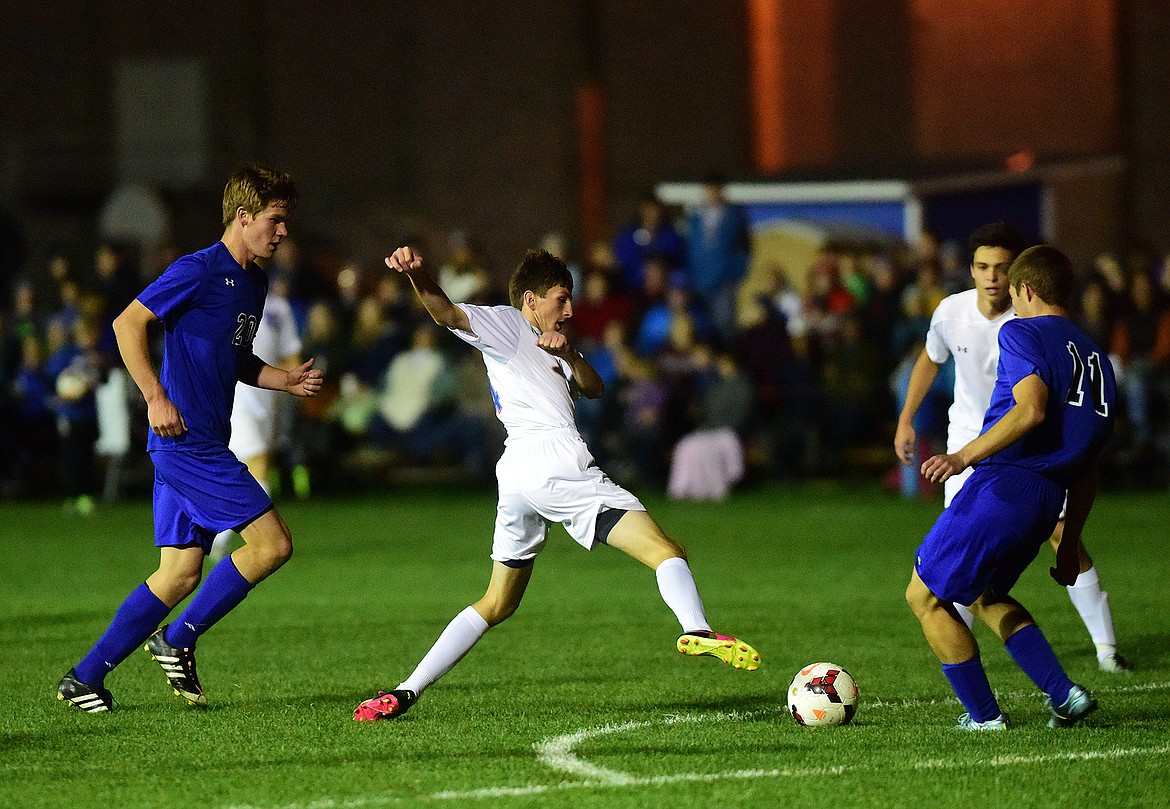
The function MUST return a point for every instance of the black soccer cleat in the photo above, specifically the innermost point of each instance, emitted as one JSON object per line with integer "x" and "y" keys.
{"x": 83, "y": 696}
{"x": 179, "y": 666}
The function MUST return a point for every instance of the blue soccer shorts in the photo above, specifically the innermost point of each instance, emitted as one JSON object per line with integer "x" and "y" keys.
{"x": 989, "y": 534}
{"x": 198, "y": 493}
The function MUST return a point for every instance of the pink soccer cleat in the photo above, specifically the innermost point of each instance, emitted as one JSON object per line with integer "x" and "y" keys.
{"x": 385, "y": 706}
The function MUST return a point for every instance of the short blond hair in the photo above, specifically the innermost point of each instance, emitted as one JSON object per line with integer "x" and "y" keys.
{"x": 1047, "y": 270}
{"x": 255, "y": 188}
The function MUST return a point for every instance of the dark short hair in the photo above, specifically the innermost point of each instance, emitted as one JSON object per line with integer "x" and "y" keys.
{"x": 1047, "y": 270}
{"x": 539, "y": 271}
{"x": 997, "y": 234}
{"x": 254, "y": 188}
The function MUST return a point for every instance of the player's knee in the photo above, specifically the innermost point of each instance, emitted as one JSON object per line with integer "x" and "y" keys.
{"x": 919, "y": 598}
{"x": 281, "y": 548}
{"x": 495, "y": 611}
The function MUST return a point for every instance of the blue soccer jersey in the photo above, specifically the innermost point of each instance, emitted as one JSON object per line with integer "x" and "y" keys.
{"x": 1082, "y": 391}
{"x": 210, "y": 307}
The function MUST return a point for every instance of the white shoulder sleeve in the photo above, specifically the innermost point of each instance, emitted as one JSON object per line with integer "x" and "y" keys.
{"x": 495, "y": 330}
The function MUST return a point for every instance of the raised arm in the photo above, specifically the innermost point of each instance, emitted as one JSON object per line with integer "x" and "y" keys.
{"x": 406, "y": 260}
{"x": 130, "y": 330}
{"x": 1031, "y": 397}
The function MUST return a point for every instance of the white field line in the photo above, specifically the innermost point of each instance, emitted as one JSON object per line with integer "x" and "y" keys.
{"x": 796, "y": 772}
{"x": 557, "y": 753}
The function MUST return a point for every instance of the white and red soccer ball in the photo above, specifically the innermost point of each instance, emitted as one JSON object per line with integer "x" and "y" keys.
{"x": 822, "y": 694}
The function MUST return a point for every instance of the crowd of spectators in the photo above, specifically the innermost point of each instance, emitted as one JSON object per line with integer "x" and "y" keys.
{"x": 710, "y": 381}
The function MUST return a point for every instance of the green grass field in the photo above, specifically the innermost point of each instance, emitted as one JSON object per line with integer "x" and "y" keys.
{"x": 580, "y": 698}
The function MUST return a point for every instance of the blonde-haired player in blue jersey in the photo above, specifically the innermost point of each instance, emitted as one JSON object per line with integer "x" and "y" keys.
{"x": 209, "y": 304}
{"x": 546, "y": 474}
{"x": 1051, "y": 411}
{"x": 965, "y": 328}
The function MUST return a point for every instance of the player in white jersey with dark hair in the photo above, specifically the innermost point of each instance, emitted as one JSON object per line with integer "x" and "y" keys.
{"x": 254, "y": 411}
{"x": 546, "y": 473}
{"x": 966, "y": 326}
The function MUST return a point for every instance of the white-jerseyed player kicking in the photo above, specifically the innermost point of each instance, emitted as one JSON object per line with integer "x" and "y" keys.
{"x": 546, "y": 474}
{"x": 254, "y": 410}
{"x": 966, "y": 326}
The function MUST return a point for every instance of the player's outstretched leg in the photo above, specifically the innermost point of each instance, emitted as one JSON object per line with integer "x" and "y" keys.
{"x": 179, "y": 666}
{"x": 732, "y": 651}
{"x": 91, "y": 699}
{"x": 386, "y": 705}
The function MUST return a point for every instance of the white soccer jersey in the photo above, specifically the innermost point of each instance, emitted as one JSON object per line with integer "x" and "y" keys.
{"x": 958, "y": 329}
{"x": 530, "y": 387}
{"x": 254, "y": 409}
{"x": 546, "y": 473}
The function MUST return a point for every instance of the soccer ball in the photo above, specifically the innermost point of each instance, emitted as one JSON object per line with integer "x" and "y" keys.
{"x": 822, "y": 694}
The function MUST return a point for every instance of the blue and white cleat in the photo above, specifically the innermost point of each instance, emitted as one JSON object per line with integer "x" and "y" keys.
{"x": 1000, "y": 722}
{"x": 1080, "y": 703}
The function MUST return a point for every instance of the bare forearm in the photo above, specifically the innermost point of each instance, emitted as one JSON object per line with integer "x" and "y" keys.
{"x": 435, "y": 301}
{"x": 588, "y": 381}
{"x": 271, "y": 378}
{"x": 921, "y": 378}
{"x": 1011, "y": 427}
{"x": 134, "y": 347}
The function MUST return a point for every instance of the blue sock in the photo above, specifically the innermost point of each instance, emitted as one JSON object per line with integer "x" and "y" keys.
{"x": 222, "y": 590}
{"x": 1030, "y": 649}
{"x": 139, "y": 615}
{"x": 969, "y": 681}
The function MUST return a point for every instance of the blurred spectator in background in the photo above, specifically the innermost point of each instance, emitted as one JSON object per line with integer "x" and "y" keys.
{"x": 639, "y": 447}
{"x": 718, "y": 252}
{"x": 36, "y": 445}
{"x": 597, "y": 418}
{"x": 313, "y": 428}
{"x": 1143, "y": 346}
{"x": 305, "y": 285}
{"x": 554, "y": 243}
{"x": 849, "y": 384}
{"x": 76, "y": 370}
{"x": 374, "y": 342}
{"x": 12, "y": 253}
{"x": 879, "y": 316}
{"x": 1107, "y": 268}
{"x": 463, "y": 276}
{"x": 115, "y": 284}
{"x": 953, "y": 274}
{"x": 27, "y": 317}
{"x": 595, "y": 306}
{"x": 656, "y": 321}
{"x": 650, "y": 233}
{"x": 1093, "y": 314}
{"x": 708, "y": 462}
{"x": 415, "y": 398}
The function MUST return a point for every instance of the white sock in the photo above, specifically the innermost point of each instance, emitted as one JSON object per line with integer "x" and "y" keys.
{"x": 1093, "y": 605}
{"x": 677, "y": 586}
{"x": 461, "y": 634}
{"x": 966, "y": 614}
